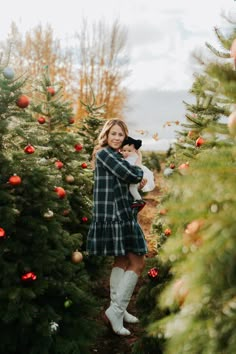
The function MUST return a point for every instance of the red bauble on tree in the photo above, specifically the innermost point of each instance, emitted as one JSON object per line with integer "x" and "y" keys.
{"x": 28, "y": 277}
{"x": 59, "y": 164}
{"x": 84, "y": 219}
{"x": 14, "y": 180}
{"x": 200, "y": 141}
{"x": 71, "y": 121}
{"x": 60, "y": 192}
{"x": 84, "y": 165}
{"x": 41, "y": 120}
{"x": 51, "y": 90}
{"x": 2, "y": 233}
{"x": 29, "y": 149}
{"x": 167, "y": 232}
{"x": 23, "y": 101}
{"x": 153, "y": 273}
{"x": 78, "y": 147}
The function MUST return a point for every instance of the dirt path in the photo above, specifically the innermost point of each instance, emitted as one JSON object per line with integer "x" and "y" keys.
{"x": 108, "y": 342}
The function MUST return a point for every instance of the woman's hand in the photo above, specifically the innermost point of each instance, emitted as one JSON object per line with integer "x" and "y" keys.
{"x": 142, "y": 183}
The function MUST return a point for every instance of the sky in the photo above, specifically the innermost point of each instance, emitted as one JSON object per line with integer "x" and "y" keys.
{"x": 162, "y": 35}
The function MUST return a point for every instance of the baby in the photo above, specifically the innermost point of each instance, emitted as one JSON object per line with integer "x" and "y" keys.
{"x": 129, "y": 152}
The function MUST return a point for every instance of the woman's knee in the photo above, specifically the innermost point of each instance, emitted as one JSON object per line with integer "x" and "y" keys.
{"x": 136, "y": 263}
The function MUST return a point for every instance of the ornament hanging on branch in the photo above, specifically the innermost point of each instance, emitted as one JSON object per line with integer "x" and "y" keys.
{"x": 48, "y": 214}
{"x": 199, "y": 142}
{"x": 28, "y": 277}
{"x": 70, "y": 179}
{"x": 76, "y": 257}
{"x": 232, "y": 124}
{"x": 60, "y": 192}
{"x": 2, "y": 233}
{"x": 8, "y": 73}
{"x": 23, "y": 101}
{"x": 41, "y": 120}
{"x": 51, "y": 90}
{"x": 29, "y": 149}
{"x": 67, "y": 303}
{"x": 59, "y": 164}
{"x": 84, "y": 219}
{"x": 14, "y": 180}
{"x": 78, "y": 147}
{"x": 84, "y": 165}
{"x": 153, "y": 273}
{"x": 233, "y": 52}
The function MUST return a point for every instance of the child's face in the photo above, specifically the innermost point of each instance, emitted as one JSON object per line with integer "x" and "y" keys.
{"x": 127, "y": 150}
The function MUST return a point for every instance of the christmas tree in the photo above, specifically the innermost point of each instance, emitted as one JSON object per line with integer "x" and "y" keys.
{"x": 44, "y": 307}
{"x": 195, "y": 310}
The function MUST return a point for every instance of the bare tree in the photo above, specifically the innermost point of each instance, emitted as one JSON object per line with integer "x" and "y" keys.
{"x": 103, "y": 65}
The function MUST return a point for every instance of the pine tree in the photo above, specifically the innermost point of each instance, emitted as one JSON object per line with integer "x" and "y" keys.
{"x": 44, "y": 307}
{"x": 200, "y": 204}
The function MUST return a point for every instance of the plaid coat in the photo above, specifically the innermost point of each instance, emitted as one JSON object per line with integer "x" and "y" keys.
{"x": 114, "y": 230}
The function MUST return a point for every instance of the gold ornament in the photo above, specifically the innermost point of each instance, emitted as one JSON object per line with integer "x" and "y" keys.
{"x": 48, "y": 214}
{"x": 76, "y": 257}
{"x": 70, "y": 179}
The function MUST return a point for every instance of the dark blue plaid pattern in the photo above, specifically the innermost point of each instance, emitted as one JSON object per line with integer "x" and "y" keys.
{"x": 114, "y": 231}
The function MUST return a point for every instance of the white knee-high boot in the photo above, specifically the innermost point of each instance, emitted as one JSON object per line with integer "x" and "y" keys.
{"x": 116, "y": 275}
{"x": 115, "y": 313}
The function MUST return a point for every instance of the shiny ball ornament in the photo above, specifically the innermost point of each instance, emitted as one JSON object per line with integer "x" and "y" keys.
{"x": 51, "y": 90}
{"x": 67, "y": 303}
{"x": 29, "y": 149}
{"x": 78, "y": 147}
{"x": 70, "y": 179}
{"x": 28, "y": 277}
{"x": 153, "y": 273}
{"x": 199, "y": 142}
{"x": 76, "y": 257}
{"x": 232, "y": 124}
{"x": 172, "y": 165}
{"x": 183, "y": 168}
{"x": 48, "y": 214}
{"x": 59, "y": 164}
{"x": 8, "y": 73}
{"x": 23, "y": 101}
{"x": 14, "y": 180}
{"x": 60, "y": 192}
{"x": 71, "y": 121}
{"x": 233, "y": 49}
{"x": 167, "y": 232}
{"x": 2, "y": 232}
{"x": 180, "y": 291}
{"x": 84, "y": 219}
{"x": 84, "y": 165}
{"x": 41, "y": 120}
{"x": 168, "y": 171}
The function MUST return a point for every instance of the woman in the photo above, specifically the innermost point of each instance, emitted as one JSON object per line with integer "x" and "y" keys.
{"x": 114, "y": 230}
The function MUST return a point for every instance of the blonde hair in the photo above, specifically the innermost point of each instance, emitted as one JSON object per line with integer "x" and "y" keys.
{"x": 103, "y": 136}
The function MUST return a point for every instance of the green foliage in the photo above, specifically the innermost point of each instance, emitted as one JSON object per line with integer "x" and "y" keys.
{"x": 151, "y": 159}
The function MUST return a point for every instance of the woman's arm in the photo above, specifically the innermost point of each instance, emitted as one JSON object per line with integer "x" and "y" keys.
{"x": 119, "y": 167}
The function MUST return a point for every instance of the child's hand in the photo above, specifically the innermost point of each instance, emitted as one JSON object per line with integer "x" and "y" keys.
{"x": 142, "y": 183}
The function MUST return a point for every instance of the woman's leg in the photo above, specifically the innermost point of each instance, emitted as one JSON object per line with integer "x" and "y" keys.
{"x": 116, "y": 311}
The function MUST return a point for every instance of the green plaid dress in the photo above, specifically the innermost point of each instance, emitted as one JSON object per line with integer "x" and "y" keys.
{"x": 114, "y": 231}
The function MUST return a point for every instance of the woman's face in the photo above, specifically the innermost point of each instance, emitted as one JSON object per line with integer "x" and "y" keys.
{"x": 115, "y": 137}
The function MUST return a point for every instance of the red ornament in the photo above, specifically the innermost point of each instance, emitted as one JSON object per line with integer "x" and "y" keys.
{"x": 60, "y": 192}
{"x": 84, "y": 165}
{"x": 29, "y": 149}
{"x": 28, "y": 276}
{"x": 167, "y": 232}
{"x": 23, "y": 101}
{"x": 84, "y": 219}
{"x": 153, "y": 273}
{"x": 172, "y": 165}
{"x": 59, "y": 164}
{"x": 233, "y": 49}
{"x": 2, "y": 232}
{"x": 71, "y": 121}
{"x": 14, "y": 180}
{"x": 78, "y": 147}
{"x": 51, "y": 90}
{"x": 199, "y": 141}
{"x": 41, "y": 120}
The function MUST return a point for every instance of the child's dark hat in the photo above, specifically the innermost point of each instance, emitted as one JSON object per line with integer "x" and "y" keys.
{"x": 129, "y": 141}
